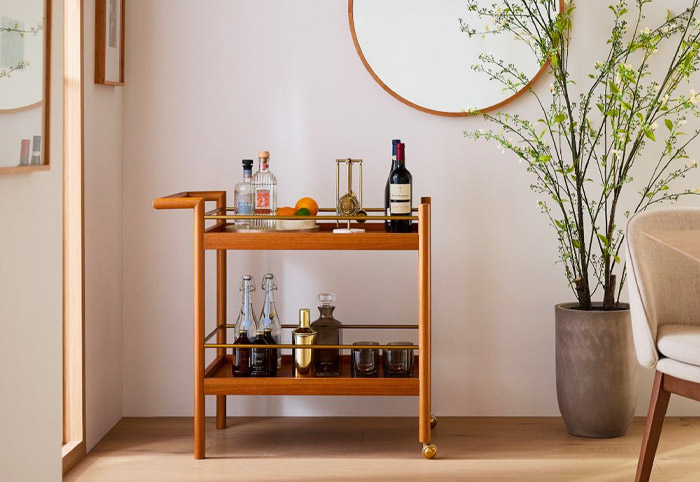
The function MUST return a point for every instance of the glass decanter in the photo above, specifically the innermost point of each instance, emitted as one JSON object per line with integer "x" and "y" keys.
{"x": 246, "y": 316}
{"x": 269, "y": 318}
{"x": 328, "y": 332}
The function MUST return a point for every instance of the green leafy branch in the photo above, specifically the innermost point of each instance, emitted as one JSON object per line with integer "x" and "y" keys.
{"x": 585, "y": 144}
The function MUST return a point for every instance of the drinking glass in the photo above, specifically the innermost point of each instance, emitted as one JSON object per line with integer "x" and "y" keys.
{"x": 365, "y": 361}
{"x": 398, "y": 363}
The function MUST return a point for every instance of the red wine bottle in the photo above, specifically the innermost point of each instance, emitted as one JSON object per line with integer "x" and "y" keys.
{"x": 394, "y": 165}
{"x": 400, "y": 192}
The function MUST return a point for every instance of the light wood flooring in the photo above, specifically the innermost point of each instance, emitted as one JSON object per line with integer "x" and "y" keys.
{"x": 386, "y": 449}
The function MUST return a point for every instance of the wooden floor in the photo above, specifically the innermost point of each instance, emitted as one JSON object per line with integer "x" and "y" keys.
{"x": 353, "y": 449}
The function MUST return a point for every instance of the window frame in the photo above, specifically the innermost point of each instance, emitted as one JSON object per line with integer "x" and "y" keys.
{"x": 74, "y": 447}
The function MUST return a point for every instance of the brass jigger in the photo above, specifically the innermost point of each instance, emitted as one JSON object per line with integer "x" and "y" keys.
{"x": 348, "y": 204}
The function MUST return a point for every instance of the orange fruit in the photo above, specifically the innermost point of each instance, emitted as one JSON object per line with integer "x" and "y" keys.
{"x": 286, "y": 211}
{"x": 308, "y": 203}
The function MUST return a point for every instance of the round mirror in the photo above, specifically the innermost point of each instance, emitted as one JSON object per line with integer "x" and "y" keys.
{"x": 21, "y": 54}
{"x": 419, "y": 52}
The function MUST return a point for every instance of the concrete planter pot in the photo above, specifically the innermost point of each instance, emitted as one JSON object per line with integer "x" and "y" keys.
{"x": 596, "y": 370}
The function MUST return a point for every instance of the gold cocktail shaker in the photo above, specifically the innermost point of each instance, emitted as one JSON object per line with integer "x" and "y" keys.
{"x": 303, "y": 335}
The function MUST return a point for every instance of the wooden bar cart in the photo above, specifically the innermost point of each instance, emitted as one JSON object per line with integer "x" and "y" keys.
{"x": 212, "y": 232}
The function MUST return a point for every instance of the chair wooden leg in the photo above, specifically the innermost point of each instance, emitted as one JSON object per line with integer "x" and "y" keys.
{"x": 652, "y": 432}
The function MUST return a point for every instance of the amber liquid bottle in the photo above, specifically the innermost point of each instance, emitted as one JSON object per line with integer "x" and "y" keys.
{"x": 271, "y": 354}
{"x": 259, "y": 361}
{"x": 328, "y": 332}
{"x": 241, "y": 361}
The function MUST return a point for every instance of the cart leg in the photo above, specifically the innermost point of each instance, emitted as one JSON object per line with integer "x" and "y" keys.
{"x": 221, "y": 335}
{"x": 424, "y": 297}
{"x": 199, "y": 330}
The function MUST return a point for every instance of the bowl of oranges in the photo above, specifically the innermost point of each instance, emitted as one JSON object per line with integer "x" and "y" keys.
{"x": 305, "y": 206}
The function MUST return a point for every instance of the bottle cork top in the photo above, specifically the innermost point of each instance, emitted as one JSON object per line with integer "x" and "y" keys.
{"x": 265, "y": 154}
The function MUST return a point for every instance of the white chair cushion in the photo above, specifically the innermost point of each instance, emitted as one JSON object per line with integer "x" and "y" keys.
{"x": 680, "y": 343}
{"x": 681, "y": 370}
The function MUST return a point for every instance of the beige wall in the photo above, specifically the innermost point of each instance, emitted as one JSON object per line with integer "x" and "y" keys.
{"x": 31, "y": 214}
{"x": 103, "y": 245}
{"x": 214, "y": 83}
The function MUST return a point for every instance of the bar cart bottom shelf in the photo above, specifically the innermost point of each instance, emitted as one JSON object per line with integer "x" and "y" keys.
{"x": 219, "y": 380}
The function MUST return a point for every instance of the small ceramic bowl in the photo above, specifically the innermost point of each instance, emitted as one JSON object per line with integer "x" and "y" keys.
{"x": 295, "y": 225}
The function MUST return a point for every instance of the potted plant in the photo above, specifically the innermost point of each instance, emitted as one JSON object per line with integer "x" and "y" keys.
{"x": 583, "y": 148}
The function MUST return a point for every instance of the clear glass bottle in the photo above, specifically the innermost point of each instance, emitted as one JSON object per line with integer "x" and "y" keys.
{"x": 243, "y": 195}
{"x": 328, "y": 331}
{"x": 265, "y": 193}
{"x": 303, "y": 359}
{"x": 268, "y": 316}
{"x": 241, "y": 356}
{"x": 259, "y": 357}
{"x": 246, "y": 317}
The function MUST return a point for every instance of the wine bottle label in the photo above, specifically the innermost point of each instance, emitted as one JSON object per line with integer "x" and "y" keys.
{"x": 262, "y": 201}
{"x": 400, "y": 198}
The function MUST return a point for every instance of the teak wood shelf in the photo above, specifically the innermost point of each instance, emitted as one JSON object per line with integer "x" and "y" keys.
{"x": 211, "y": 233}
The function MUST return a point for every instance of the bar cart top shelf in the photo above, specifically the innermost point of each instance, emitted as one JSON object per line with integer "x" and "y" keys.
{"x": 219, "y": 236}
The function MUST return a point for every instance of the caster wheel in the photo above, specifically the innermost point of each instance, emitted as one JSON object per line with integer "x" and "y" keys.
{"x": 430, "y": 451}
{"x": 433, "y": 421}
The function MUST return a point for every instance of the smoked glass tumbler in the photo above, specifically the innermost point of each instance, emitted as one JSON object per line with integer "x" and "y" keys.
{"x": 398, "y": 363}
{"x": 365, "y": 362}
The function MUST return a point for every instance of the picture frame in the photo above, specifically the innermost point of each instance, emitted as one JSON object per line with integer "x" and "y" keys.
{"x": 25, "y": 100}
{"x": 110, "y": 19}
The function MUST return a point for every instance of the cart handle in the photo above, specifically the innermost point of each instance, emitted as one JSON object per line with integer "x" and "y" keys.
{"x": 189, "y": 199}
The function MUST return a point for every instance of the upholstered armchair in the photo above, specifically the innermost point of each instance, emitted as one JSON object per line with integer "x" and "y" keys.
{"x": 664, "y": 292}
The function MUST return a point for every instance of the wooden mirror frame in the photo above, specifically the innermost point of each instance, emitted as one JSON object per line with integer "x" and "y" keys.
{"x": 526, "y": 87}
{"x": 45, "y": 103}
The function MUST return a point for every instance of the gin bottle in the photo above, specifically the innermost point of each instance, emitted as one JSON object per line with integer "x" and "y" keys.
{"x": 243, "y": 195}
{"x": 268, "y": 317}
{"x": 328, "y": 332}
{"x": 265, "y": 193}
{"x": 246, "y": 316}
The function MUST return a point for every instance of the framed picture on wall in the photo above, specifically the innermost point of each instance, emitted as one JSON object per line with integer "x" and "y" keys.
{"x": 109, "y": 42}
{"x": 25, "y": 85}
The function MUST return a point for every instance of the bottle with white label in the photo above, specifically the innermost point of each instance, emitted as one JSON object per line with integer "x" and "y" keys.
{"x": 265, "y": 193}
{"x": 243, "y": 195}
{"x": 400, "y": 192}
